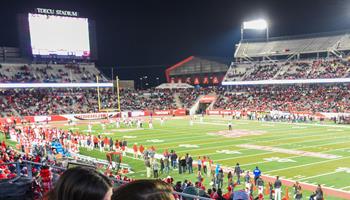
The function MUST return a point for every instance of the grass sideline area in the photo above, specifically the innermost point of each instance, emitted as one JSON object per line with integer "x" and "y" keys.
{"x": 210, "y": 138}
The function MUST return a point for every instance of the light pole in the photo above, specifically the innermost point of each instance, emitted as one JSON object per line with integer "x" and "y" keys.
{"x": 157, "y": 81}
{"x": 141, "y": 82}
{"x": 145, "y": 78}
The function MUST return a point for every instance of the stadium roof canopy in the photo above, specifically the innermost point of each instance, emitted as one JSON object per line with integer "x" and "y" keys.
{"x": 334, "y": 43}
{"x": 198, "y": 65}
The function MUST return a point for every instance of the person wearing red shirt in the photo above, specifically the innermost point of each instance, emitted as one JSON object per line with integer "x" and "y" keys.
{"x": 95, "y": 142}
{"x": 229, "y": 193}
{"x": 116, "y": 144}
{"x": 152, "y": 148}
{"x": 2, "y": 175}
{"x": 166, "y": 153}
{"x": 106, "y": 143}
{"x": 135, "y": 150}
{"x": 141, "y": 149}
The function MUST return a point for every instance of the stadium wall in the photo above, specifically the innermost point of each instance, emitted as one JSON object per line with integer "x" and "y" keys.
{"x": 302, "y": 113}
{"x": 95, "y": 116}
{"x": 155, "y": 113}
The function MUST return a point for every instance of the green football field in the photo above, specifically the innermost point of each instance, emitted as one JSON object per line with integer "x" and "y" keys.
{"x": 279, "y": 148}
{"x": 202, "y": 139}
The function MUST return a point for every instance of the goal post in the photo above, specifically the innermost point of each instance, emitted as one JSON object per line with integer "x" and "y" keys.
{"x": 116, "y": 88}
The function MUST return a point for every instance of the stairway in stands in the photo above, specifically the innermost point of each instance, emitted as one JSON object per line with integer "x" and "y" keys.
{"x": 177, "y": 100}
{"x": 3, "y": 100}
{"x": 283, "y": 69}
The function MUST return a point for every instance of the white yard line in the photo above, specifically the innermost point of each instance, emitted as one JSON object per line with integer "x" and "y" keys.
{"x": 205, "y": 148}
{"x": 318, "y": 175}
{"x": 248, "y": 140}
{"x": 255, "y": 163}
{"x": 289, "y": 123}
{"x": 346, "y": 187}
{"x": 291, "y": 149}
{"x": 325, "y": 161}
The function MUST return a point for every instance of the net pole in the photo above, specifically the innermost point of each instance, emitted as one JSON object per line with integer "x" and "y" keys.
{"x": 118, "y": 96}
{"x": 98, "y": 94}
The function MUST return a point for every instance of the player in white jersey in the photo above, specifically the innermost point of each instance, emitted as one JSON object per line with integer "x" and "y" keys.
{"x": 201, "y": 119}
{"x": 117, "y": 123}
{"x": 103, "y": 126}
{"x": 161, "y": 121}
{"x": 138, "y": 123}
{"x": 150, "y": 124}
{"x": 191, "y": 121}
{"x": 89, "y": 127}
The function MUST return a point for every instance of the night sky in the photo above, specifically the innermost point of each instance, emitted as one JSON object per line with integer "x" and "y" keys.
{"x": 144, "y": 37}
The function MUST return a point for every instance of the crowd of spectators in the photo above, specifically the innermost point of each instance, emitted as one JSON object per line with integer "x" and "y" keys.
{"x": 296, "y": 70}
{"x": 30, "y": 102}
{"x": 329, "y": 69}
{"x": 262, "y": 72}
{"x": 49, "y": 74}
{"x": 301, "y": 69}
{"x": 150, "y": 99}
{"x": 189, "y": 96}
{"x": 311, "y": 98}
{"x": 233, "y": 74}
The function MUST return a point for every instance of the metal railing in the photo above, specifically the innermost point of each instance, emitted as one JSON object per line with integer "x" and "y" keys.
{"x": 29, "y": 165}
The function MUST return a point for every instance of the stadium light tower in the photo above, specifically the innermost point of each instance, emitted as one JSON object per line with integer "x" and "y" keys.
{"x": 259, "y": 24}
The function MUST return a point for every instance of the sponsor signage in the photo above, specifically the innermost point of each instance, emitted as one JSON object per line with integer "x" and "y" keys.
{"x": 207, "y": 99}
{"x": 93, "y": 116}
{"x": 162, "y": 112}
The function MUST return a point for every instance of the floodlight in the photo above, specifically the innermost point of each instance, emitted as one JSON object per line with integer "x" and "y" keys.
{"x": 259, "y": 24}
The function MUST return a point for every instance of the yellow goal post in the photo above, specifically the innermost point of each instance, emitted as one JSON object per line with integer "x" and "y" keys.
{"x": 116, "y": 87}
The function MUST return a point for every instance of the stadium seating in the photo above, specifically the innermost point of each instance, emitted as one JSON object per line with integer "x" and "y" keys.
{"x": 279, "y": 70}
{"x": 313, "y": 98}
{"x": 49, "y": 73}
{"x": 290, "y": 46}
{"x": 30, "y": 102}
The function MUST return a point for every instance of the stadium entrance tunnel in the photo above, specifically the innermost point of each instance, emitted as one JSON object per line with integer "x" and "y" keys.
{"x": 202, "y": 107}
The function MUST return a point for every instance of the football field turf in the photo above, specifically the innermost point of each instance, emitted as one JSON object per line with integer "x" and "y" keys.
{"x": 309, "y": 153}
{"x": 270, "y": 146}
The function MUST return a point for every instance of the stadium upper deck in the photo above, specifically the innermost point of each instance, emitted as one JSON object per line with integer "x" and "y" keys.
{"x": 333, "y": 43}
{"x": 49, "y": 73}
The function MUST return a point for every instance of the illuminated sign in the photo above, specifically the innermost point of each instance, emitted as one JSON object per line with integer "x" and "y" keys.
{"x": 296, "y": 81}
{"x": 48, "y": 11}
{"x": 55, "y": 85}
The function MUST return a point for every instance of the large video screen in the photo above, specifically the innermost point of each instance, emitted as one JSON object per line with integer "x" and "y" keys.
{"x": 59, "y": 35}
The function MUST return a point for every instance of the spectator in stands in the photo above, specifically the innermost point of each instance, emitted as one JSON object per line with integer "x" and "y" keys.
{"x": 81, "y": 184}
{"x": 2, "y": 174}
{"x": 144, "y": 190}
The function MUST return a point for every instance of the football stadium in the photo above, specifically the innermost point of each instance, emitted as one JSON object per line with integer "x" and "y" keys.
{"x": 87, "y": 114}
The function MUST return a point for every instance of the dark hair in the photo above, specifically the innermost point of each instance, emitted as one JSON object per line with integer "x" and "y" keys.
{"x": 80, "y": 184}
{"x": 144, "y": 190}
